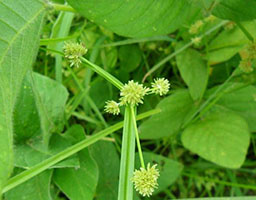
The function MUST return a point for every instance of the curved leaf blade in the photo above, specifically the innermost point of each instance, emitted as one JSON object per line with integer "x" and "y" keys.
{"x": 134, "y": 18}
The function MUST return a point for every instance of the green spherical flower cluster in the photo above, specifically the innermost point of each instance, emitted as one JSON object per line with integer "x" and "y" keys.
{"x": 132, "y": 93}
{"x": 112, "y": 107}
{"x": 73, "y": 52}
{"x": 160, "y": 86}
{"x": 145, "y": 180}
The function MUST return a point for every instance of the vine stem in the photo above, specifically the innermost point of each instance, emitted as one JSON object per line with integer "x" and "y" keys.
{"x": 137, "y": 139}
{"x": 189, "y": 44}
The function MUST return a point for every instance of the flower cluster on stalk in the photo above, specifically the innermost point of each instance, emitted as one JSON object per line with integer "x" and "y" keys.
{"x": 145, "y": 180}
{"x": 73, "y": 52}
{"x": 133, "y": 94}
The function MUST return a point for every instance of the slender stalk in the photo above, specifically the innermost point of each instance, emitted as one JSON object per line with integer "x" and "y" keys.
{"x": 61, "y": 7}
{"x": 137, "y": 139}
{"x": 44, "y": 165}
{"x": 158, "y": 65}
{"x": 246, "y": 33}
{"x": 208, "y": 101}
{"x": 103, "y": 73}
{"x": 252, "y": 187}
{"x": 125, "y": 190}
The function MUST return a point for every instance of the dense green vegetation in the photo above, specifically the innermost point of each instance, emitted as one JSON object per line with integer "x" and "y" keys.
{"x": 127, "y": 99}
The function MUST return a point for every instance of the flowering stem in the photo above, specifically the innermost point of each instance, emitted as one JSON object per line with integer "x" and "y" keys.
{"x": 137, "y": 139}
{"x": 189, "y": 44}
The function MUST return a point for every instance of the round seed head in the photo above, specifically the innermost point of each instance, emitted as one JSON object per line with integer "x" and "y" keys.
{"x": 73, "y": 52}
{"x": 160, "y": 86}
{"x": 112, "y": 107}
{"x": 145, "y": 180}
{"x": 132, "y": 93}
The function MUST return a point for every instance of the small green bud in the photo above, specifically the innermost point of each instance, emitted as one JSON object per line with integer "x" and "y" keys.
{"x": 160, "y": 86}
{"x": 196, "y": 40}
{"x": 246, "y": 66}
{"x": 73, "y": 52}
{"x": 132, "y": 93}
{"x": 195, "y": 28}
{"x": 145, "y": 180}
{"x": 112, "y": 107}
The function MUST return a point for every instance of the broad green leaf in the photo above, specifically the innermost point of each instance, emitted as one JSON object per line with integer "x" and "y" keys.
{"x": 44, "y": 100}
{"x": 130, "y": 57}
{"x": 169, "y": 169}
{"x": 78, "y": 183}
{"x": 236, "y": 10}
{"x": 229, "y": 42}
{"x": 25, "y": 156}
{"x": 134, "y": 18}
{"x": 193, "y": 70}
{"x": 243, "y": 101}
{"x": 108, "y": 162}
{"x": 18, "y": 47}
{"x": 221, "y": 137}
{"x": 125, "y": 188}
{"x": 174, "y": 110}
{"x": 100, "y": 92}
{"x": 36, "y": 188}
{"x": 46, "y": 164}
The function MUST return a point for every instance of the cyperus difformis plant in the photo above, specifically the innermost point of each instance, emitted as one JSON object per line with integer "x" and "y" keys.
{"x": 132, "y": 94}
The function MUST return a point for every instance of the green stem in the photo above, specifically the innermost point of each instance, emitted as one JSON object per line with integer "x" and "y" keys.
{"x": 206, "y": 103}
{"x": 137, "y": 139}
{"x": 44, "y": 165}
{"x": 243, "y": 29}
{"x": 252, "y": 187}
{"x": 103, "y": 73}
{"x": 61, "y": 7}
{"x": 189, "y": 44}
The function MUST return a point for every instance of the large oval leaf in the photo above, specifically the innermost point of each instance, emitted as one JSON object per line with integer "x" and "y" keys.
{"x": 134, "y": 18}
{"x": 221, "y": 137}
{"x": 174, "y": 110}
{"x": 236, "y": 10}
{"x": 20, "y": 23}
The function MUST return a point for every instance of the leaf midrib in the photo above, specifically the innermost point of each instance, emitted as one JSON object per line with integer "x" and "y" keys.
{"x": 19, "y": 33}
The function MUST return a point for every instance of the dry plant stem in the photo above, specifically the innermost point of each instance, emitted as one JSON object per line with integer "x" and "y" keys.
{"x": 158, "y": 65}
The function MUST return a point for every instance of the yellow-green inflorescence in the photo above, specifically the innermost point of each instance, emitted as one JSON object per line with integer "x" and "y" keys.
{"x": 248, "y": 55}
{"x": 73, "y": 52}
{"x": 112, "y": 107}
{"x": 160, "y": 86}
{"x": 133, "y": 94}
{"x": 145, "y": 180}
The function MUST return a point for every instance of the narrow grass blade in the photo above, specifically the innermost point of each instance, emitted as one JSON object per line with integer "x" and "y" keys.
{"x": 26, "y": 175}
